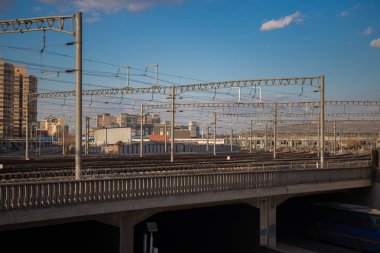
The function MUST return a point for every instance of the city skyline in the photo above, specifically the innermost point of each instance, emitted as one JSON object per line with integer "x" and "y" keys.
{"x": 196, "y": 42}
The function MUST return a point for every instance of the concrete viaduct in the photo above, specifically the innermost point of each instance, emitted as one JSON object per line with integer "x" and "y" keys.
{"x": 127, "y": 201}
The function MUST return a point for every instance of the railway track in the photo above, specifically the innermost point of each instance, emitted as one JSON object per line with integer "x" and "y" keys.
{"x": 101, "y": 161}
{"x": 143, "y": 168}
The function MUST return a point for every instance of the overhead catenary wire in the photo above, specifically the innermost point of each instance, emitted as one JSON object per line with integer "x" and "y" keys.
{"x": 102, "y": 62}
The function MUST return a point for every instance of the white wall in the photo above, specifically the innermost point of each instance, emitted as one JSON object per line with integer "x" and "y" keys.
{"x": 111, "y": 136}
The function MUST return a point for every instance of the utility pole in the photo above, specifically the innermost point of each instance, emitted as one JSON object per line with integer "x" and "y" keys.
{"x": 208, "y": 133}
{"x": 39, "y": 142}
{"x": 214, "y": 133}
{"x": 27, "y": 128}
{"x": 87, "y": 134}
{"x": 166, "y": 137}
{"x": 78, "y": 113}
{"x": 334, "y": 145}
{"x": 141, "y": 130}
{"x": 322, "y": 121}
{"x": 172, "y": 125}
{"x": 27, "y": 123}
{"x": 250, "y": 139}
{"x": 266, "y": 137}
{"x": 307, "y": 136}
{"x": 63, "y": 140}
{"x": 31, "y": 133}
{"x": 341, "y": 138}
{"x": 274, "y": 129}
{"x": 232, "y": 132}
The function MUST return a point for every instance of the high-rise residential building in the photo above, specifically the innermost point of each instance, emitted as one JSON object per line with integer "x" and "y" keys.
{"x": 15, "y": 87}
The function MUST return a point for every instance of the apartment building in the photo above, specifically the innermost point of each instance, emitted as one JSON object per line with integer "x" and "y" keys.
{"x": 107, "y": 120}
{"x": 15, "y": 86}
{"x": 54, "y": 126}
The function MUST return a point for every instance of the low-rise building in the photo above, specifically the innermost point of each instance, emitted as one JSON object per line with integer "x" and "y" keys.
{"x": 111, "y": 136}
{"x": 180, "y": 132}
{"x": 54, "y": 126}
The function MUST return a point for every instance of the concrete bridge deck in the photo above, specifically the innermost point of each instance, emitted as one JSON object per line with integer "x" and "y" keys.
{"x": 118, "y": 196}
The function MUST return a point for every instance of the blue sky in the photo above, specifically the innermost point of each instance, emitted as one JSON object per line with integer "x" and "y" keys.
{"x": 216, "y": 40}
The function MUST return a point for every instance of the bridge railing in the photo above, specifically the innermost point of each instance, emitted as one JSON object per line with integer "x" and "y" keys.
{"x": 66, "y": 174}
{"x": 62, "y": 193}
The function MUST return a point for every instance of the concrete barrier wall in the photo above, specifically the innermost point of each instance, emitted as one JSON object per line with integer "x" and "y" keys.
{"x": 159, "y": 148}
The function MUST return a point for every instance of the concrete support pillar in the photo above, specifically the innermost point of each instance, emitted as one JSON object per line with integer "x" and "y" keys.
{"x": 268, "y": 227}
{"x": 267, "y": 223}
{"x": 126, "y": 223}
{"x": 127, "y": 227}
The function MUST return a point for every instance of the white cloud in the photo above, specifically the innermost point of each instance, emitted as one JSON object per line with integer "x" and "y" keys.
{"x": 282, "y": 22}
{"x": 368, "y": 31}
{"x": 375, "y": 43}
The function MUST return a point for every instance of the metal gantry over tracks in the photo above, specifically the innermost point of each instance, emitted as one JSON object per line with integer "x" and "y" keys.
{"x": 59, "y": 23}
{"x": 173, "y": 91}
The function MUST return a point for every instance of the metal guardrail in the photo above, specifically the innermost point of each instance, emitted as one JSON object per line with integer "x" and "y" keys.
{"x": 93, "y": 173}
{"x": 63, "y": 193}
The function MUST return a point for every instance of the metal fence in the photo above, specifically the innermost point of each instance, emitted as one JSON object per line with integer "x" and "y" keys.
{"x": 168, "y": 169}
{"x": 62, "y": 193}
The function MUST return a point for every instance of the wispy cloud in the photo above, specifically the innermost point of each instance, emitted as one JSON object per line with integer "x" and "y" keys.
{"x": 368, "y": 31}
{"x": 281, "y": 22}
{"x": 94, "y": 16}
{"x": 375, "y": 43}
{"x": 111, "y": 6}
{"x": 347, "y": 12}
